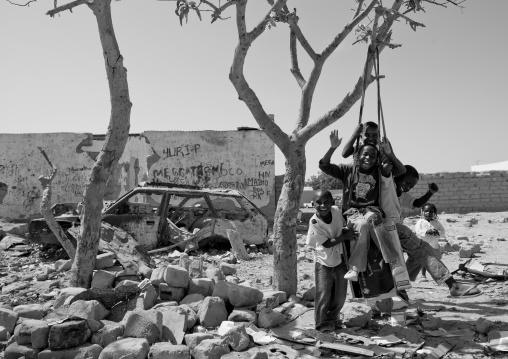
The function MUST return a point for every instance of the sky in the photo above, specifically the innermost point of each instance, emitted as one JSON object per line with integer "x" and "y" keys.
{"x": 444, "y": 91}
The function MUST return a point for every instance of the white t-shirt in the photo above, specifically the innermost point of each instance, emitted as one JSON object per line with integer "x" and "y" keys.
{"x": 422, "y": 226}
{"x": 319, "y": 232}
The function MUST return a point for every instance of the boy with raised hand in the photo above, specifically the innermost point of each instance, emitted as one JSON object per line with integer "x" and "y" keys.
{"x": 326, "y": 232}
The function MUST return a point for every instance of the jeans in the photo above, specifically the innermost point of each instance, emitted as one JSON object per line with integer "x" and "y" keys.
{"x": 421, "y": 255}
{"x": 331, "y": 290}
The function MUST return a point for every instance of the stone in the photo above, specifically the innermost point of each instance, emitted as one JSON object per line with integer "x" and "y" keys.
{"x": 310, "y": 294}
{"x": 268, "y": 318}
{"x": 355, "y": 314}
{"x": 240, "y": 295}
{"x": 85, "y": 351}
{"x": 210, "y": 349}
{"x": 462, "y": 238}
{"x": 88, "y": 309}
{"x": 403, "y": 333}
{"x": 277, "y": 297}
{"x": 15, "y": 351}
{"x": 466, "y": 252}
{"x": 433, "y": 323}
{"x": 14, "y": 287}
{"x": 169, "y": 351}
{"x": 176, "y": 276}
{"x": 4, "y": 334}
{"x": 192, "y": 316}
{"x": 33, "y": 332}
{"x": 192, "y": 340}
{"x": 13, "y": 228}
{"x": 127, "y": 283}
{"x": 167, "y": 292}
{"x": 158, "y": 275}
{"x": 202, "y": 286}
{"x": 8, "y": 319}
{"x": 103, "y": 279}
{"x": 237, "y": 338}
{"x": 221, "y": 290}
{"x": 164, "y": 305}
{"x": 483, "y": 326}
{"x": 215, "y": 274}
{"x": 232, "y": 279}
{"x": 137, "y": 348}
{"x": 241, "y": 315}
{"x": 108, "y": 333}
{"x": 212, "y": 312}
{"x": 194, "y": 301}
{"x": 68, "y": 334}
{"x": 149, "y": 295}
{"x": 174, "y": 323}
{"x": 146, "y": 324}
{"x": 63, "y": 265}
{"x": 66, "y": 293}
{"x": 105, "y": 260}
{"x": 228, "y": 269}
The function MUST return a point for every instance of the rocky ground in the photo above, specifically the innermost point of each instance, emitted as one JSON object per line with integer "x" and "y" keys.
{"x": 211, "y": 305}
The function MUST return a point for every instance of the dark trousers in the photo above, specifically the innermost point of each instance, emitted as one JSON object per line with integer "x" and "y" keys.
{"x": 331, "y": 290}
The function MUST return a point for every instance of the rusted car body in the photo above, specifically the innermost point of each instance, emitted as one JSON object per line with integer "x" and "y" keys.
{"x": 154, "y": 214}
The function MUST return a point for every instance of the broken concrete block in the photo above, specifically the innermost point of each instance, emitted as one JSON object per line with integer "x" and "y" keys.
{"x": 215, "y": 274}
{"x": 240, "y": 295}
{"x": 85, "y": 351}
{"x": 167, "y": 292}
{"x": 466, "y": 251}
{"x": 237, "y": 338}
{"x": 158, "y": 275}
{"x": 105, "y": 260}
{"x": 108, "y": 333}
{"x": 355, "y": 314}
{"x": 273, "y": 297}
{"x": 146, "y": 324}
{"x": 176, "y": 276}
{"x": 149, "y": 296}
{"x": 88, "y": 309}
{"x": 232, "y": 279}
{"x": 310, "y": 294}
{"x": 212, "y": 312}
{"x": 103, "y": 279}
{"x": 33, "y": 332}
{"x": 402, "y": 332}
{"x": 483, "y": 326}
{"x": 221, "y": 290}
{"x": 169, "y": 351}
{"x": 136, "y": 347}
{"x": 242, "y": 315}
{"x": 267, "y": 318}
{"x": 66, "y": 293}
{"x": 192, "y": 340}
{"x": 15, "y": 351}
{"x": 174, "y": 325}
{"x": 462, "y": 238}
{"x": 192, "y": 316}
{"x": 202, "y": 286}
{"x": 210, "y": 349}
{"x": 195, "y": 268}
{"x": 68, "y": 334}
{"x": 4, "y": 334}
{"x": 194, "y": 301}
{"x": 228, "y": 269}
{"x": 8, "y": 319}
{"x": 63, "y": 265}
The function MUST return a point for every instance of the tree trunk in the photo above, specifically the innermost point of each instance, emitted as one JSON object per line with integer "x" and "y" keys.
{"x": 116, "y": 138}
{"x": 284, "y": 228}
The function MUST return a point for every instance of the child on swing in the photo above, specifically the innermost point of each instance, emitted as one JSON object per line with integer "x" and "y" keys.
{"x": 361, "y": 201}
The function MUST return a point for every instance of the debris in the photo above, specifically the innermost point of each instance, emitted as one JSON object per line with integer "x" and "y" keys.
{"x": 387, "y": 340}
{"x": 356, "y": 349}
{"x": 241, "y": 296}
{"x": 68, "y": 334}
{"x": 237, "y": 246}
{"x": 355, "y": 315}
{"x": 136, "y": 347}
{"x": 168, "y": 350}
{"x": 268, "y": 318}
{"x": 145, "y": 324}
{"x": 498, "y": 341}
{"x": 210, "y": 349}
{"x": 174, "y": 324}
{"x": 236, "y": 337}
{"x": 440, "y": 351}
{"x": 212, "y": 312}
{"x": 483, "y": 326}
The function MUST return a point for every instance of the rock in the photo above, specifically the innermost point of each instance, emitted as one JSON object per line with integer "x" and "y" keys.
{"x": 85, "y": 351}
{"x": 174, "y": 324}
{"x": 466, "y": 251}
{"x": 8, "y": 319}
{"x": 241, "y": 315}
{"x": 215, "y": 274}
{"x": 355, "y": 314}
{"x": 433, "y": 323}
{"x": 66, "y": 293}
{"x": 240, "y": 295}
{"x": 42, "y": 277}
{"x": 403, "y": 333}
{"x": 202, "y": 286}
{"x": 88, "y": 309}
{"x": 176, "y": 276}
{"x": 195, "y": 268}
{"x": 210, "y": 349}
{"x": 462, "y": 238}
{"x": 192, "y": 340}
{"x": 228, "y": 269}
{"x": 294, "y": 299}
{"x": 105, "y": 260}
{"x": 237, "y": 338}
{"x": 127, "y": 283}
{"x": 63, "y": 265}
{"x": 15, "y": 351}
{"x": 274, "y": 297}
{"x": 232, "y": 279}
{"x": 267, "y": 318}
{"x": 221, "y": 290}
{"x": 158, "y": 275}
{"x": 310, "y": 294}
{"x": 145, "y": 324}
{"x": 13, "y": 228}
{"x": 103, "y": 279}
{"x": 483, "y": 326}
{"x": 14, "y": 287}
{"x": 164, "y": 305}
{"x": 194, "y": 301}
{"x": 33, "y": 332}
{"x": 169, "y": 351}
{"x": 4, "y": 335}
{"x": 68, "y": 334}
{"x": 166, "y": 292}
{"x": 149, "y": 295}
{"x": 192, "y": 316}
{"x": 212, "y": 312}
{"x": 135, "y": 347}
{"x": 108, "y": 333}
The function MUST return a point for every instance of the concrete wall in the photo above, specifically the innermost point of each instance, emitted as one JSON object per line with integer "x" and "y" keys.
{"x": 463, "y": 192}
{"x": 242, "y": 160}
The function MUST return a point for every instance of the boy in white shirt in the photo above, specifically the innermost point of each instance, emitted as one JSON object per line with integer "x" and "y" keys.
{"x": 326, "y": 234}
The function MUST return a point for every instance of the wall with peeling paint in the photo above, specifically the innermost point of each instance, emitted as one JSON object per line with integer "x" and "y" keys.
{"x": 242, "y": 160}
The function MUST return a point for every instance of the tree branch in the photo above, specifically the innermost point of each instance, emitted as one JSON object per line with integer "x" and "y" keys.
{"x": 218, "y": 10}
{"x": 258, "y": 30}
{"x": 68, "y": 6}
{"x": 293, "y": 24}
{"x": 295, "y": 69}
{"x": 358, "y": 8}
{"x": 25, "y": 4}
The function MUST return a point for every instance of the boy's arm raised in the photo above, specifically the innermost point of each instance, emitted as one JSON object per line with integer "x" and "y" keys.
{"x": 334, "y": 143}
{"x": 349, "y": 147}
{"x": 419, "y": 202}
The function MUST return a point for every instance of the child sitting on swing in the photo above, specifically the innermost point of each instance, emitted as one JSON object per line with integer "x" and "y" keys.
{"x": 361, "y": 202}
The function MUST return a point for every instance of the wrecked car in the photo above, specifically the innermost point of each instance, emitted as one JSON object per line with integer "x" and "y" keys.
{"x": 162, "y": 214}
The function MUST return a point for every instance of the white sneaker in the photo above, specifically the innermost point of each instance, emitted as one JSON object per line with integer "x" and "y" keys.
{"x": 351, "y": 275}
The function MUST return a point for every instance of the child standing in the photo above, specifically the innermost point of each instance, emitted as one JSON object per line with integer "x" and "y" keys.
{"x": 429, "y": 229}
{"x": 326, "y": 232}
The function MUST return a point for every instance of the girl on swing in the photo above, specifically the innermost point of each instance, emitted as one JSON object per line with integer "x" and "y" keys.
{"x": 362, "y": 188}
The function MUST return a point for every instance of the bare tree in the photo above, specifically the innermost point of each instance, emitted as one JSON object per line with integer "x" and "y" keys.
{"x": 292, "y": 145}
{"x": 116, "y": 138}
